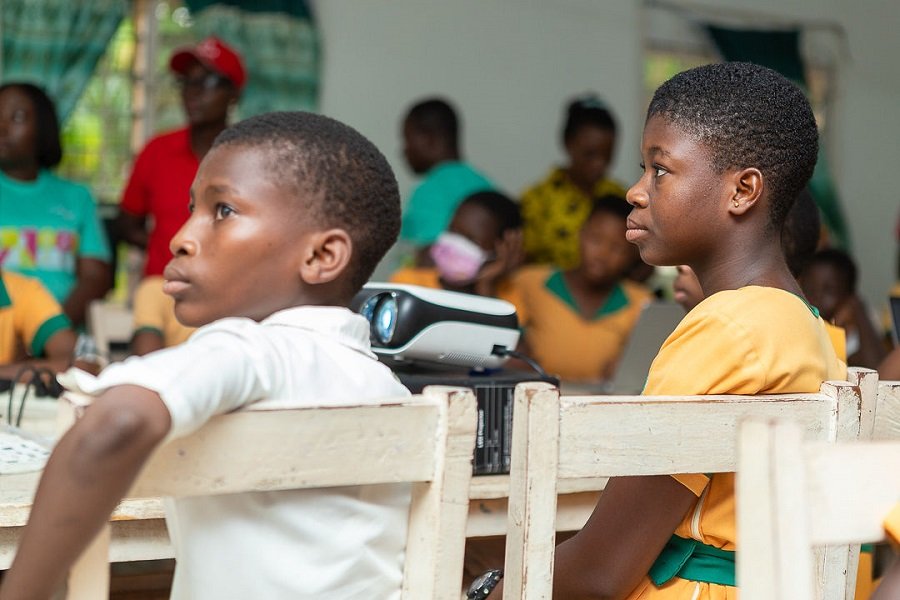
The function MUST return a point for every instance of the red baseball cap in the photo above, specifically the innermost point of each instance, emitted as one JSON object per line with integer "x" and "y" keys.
{"x": 213, "y": 54}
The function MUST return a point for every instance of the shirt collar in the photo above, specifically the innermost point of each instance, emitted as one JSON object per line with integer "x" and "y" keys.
{"x": 5, "y": 300}
{"x": 335, "y": 322}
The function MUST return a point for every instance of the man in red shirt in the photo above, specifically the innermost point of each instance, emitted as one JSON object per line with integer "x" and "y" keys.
{"x": 155, "y": 202}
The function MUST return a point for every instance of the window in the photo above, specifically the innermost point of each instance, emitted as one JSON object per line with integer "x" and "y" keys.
{"x": 107, "y": 126}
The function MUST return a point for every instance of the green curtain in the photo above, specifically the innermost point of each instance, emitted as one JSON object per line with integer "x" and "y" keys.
{"x": 56, "y": 43}
{"x": 280, "y": 47}
{"x": 780, "y": 50}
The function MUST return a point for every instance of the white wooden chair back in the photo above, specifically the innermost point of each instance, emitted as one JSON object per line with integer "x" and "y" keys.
{"x": 836, "y": 565}
{"x": 887, "y": 411}
{"x": 822, "y": 494}
{"x": 427, "y": 440}
{"x": 576, "y": 437}
{"x": 109, "y": 323}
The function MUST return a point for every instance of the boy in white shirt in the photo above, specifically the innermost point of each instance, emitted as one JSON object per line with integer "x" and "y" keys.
{"x": 290, "y": 214}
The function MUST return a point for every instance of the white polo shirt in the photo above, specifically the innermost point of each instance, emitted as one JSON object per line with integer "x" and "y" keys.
{"x": 341, "y": 543}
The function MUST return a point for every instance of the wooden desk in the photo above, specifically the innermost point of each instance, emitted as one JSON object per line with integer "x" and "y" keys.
{"x": 138, "y": 526}
{"x": 488, "y": 502}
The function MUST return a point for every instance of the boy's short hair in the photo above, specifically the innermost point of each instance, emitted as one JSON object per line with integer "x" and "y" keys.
{"x": 347, "y": 182}
{"x": 609, "y": 204}
{"x": 747, "y": 116}
{"x": 801, "y": 231}
{"x": 840, "y": 261}
{"x": 435, "y": 116}
{"x": 500, "y": 206}
{"x": 48, "y": 149}
{"x": 587, "y": 110}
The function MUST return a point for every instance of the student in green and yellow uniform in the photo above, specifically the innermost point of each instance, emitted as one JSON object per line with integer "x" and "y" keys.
{"x": 554, "y": 209}
{"x": 33, "y": 328}
{"x": 726, "y": 149}
{"x": 578, "y": 320}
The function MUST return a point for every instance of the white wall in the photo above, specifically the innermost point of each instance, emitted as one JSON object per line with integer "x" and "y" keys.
{"x": 510, "y": 65}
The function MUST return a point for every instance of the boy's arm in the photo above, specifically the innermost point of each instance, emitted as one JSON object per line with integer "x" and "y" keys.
{"x": 146, "y": 341}
{"x": 631, "y": 524}
{"x": 94, "y": 279}
{"x": 90, "y": 470}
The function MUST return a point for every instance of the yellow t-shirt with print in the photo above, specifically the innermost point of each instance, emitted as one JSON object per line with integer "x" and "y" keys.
{"x": 29, "y": 317}
{"x": 564, "y": 342}
{"x": 754, "y": 340}
{"x": 553, "y": 212}
{"x": 155, "y": 311}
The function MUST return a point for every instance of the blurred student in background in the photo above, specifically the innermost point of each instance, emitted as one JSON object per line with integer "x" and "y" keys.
{"x": 49, "y": 227}
{"x": 554, "y": 209}
{"x": 154, "y": 204}
{"x": 432, "y": 148}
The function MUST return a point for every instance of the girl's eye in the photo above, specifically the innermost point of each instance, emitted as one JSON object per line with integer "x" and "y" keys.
{"x": 191, "y": 207}
{"x": 223, "y": 211}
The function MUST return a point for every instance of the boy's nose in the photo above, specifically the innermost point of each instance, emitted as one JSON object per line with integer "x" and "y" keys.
{"x": 637, "y": 196}
{"x": 183, "y": 243}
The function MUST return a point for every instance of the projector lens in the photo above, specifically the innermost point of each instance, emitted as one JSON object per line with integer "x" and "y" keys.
{"x": 384, "y": 318}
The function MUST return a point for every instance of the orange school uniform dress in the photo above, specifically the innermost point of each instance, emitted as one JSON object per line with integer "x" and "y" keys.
{"x": 563, "y": 341}
{"x": 754, "y": 340}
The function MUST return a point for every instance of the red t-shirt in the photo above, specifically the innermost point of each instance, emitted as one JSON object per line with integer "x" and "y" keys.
{"x": 159, "y": 188}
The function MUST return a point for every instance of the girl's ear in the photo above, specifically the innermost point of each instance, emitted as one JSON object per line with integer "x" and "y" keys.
{"x": 748, "y": 190}
{"x": 327, "y": 256}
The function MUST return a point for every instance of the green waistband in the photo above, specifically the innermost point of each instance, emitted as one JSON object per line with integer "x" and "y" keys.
{"x": 693, "y": 560}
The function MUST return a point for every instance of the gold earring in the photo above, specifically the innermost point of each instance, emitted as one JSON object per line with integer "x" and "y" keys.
{"x": 735, "y": 202}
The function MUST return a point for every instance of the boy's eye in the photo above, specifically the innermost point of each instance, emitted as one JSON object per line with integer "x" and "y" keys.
{"x": 191, "y": 207}
{"x": 223, "y": 211}
{"x": 659, "y": 170}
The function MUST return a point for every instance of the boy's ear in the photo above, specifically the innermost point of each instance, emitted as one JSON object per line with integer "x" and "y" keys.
{"x": 748, "y": 190}
{"x": 327, "y": 256}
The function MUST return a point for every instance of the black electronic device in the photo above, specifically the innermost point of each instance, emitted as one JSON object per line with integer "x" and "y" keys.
{"x": 494, "y": 393}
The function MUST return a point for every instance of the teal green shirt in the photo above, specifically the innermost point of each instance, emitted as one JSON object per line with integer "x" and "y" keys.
{"x": 431, "y": 206}
{"x": 45, "y": 226}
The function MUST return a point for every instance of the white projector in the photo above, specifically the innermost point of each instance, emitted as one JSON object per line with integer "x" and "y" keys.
{"x": 412, "y": 324}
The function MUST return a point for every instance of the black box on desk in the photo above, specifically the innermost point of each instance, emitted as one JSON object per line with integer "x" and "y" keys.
{"x": 494, "y": 393}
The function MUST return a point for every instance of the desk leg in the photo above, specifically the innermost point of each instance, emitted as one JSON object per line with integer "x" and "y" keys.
{"x": 89, "y": 577}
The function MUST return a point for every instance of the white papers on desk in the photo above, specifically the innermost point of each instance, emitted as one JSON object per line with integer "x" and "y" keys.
{"x": 21, "y": 452}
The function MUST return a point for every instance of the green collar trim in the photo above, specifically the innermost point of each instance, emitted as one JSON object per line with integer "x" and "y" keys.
{"x": 617, "y": 299}
{"x": 813, "y": 309}
{"x": 5, "y": 300}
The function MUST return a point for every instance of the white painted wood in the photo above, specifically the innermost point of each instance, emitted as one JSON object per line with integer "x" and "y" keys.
{"x": 436, "y": 540}
{"x": 887, "y": 415}
{"x": 298, "y": 448}
{"x": 109, "y": 322}
{"x": 427, "y": 440}
{"x": 837, "y": 565}
{"x": 823, "y": 493}
{"x": 531, "y": 537}
{"x": 605, "y": 436}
